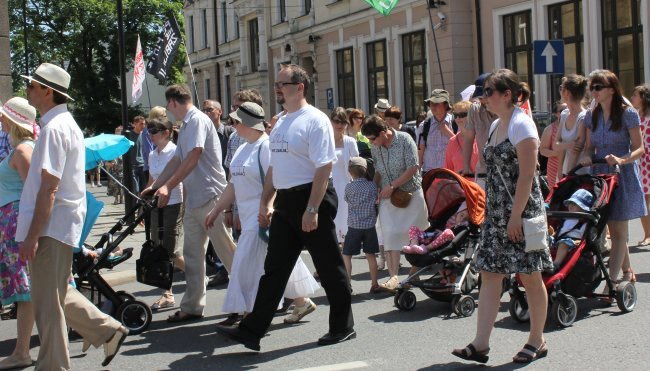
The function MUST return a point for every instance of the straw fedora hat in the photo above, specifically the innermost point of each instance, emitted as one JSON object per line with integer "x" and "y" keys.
{"x": 18, "y": 111}
{"x": 52, "y": 76}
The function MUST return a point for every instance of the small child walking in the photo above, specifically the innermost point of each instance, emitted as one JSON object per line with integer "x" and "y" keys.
{"x": 361, "y": 196}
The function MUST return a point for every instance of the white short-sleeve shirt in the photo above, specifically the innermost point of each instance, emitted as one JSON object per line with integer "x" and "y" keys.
{"x": 300, "y": 142}
{"x": 157, "y": 163}
{"x": 247, "y": 180}
{"x": 60, "y": 151}
{"x": 521, "y": 127}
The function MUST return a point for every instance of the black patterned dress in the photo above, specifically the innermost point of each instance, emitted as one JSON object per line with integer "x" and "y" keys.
{"x": 498, "y": 254}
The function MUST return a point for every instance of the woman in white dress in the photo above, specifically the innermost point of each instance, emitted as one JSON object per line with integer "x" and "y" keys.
{"x": 248, "y": 165}
{"x": 346, "y": 147}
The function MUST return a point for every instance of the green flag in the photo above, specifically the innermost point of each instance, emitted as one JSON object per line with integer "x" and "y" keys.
{"x": 383, "y": 6}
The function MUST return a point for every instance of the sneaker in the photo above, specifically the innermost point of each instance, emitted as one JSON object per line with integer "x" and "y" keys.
{"x": 299, "y": 312}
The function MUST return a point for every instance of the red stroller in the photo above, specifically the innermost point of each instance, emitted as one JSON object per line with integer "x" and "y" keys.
{"x": 444, "y": 192}
{"x": 583, "y": 268}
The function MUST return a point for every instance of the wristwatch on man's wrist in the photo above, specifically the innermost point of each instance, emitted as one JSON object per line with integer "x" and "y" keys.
{"x": 311, "y": 209}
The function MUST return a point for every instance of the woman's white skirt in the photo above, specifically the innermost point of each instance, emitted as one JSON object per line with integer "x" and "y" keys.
{"x": 395, "y": 221}
{"x": 301, "y": 282}
{"x": 247, "y": 268}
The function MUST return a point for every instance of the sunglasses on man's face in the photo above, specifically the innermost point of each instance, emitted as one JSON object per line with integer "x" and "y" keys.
{"x": 154, "y": 131}
{"x": 597, "y": 87}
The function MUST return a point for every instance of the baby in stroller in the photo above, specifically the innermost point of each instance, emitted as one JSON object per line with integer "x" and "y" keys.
{"x": 572, "y": 231}
{"x": 421, "y": 242}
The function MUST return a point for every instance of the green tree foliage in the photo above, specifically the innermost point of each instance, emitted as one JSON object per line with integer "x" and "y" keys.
{"x": 83, "y": 35}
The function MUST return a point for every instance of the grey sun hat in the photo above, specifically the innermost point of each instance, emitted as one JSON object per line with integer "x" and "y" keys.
{"x": 251, "y": 115}
{"x": 439, "y": 96}
{"x": 52, "y": 76}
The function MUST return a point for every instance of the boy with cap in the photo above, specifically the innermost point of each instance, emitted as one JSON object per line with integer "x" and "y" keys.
{"x": 572, "y": 230}
{"x": 361, "y": 196}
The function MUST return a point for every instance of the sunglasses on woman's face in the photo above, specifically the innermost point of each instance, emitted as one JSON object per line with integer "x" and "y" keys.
{"x": 597, "y": 87}
{"x": 460, "y": 115}
{"x": 488, "y": 92}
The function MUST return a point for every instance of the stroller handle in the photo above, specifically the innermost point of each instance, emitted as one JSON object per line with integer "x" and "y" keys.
{"x": 571, "y": 215}
{"x": 617, "y": 168}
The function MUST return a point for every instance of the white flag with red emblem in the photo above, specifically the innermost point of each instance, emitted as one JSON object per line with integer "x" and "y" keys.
{"x": 525, "y": 106}
{"x": 138, "y": 73}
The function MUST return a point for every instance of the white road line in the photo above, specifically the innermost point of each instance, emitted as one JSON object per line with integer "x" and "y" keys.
{"x": 337, "y": 367}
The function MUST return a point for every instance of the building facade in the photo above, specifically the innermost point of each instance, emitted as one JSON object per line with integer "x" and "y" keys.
{"x": 356, "y": 56}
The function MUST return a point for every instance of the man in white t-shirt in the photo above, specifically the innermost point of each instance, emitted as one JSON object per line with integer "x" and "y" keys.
{"x": 196, "y": 163}
{"x": 50, "y": 220}
{"x": 302, "y": 152}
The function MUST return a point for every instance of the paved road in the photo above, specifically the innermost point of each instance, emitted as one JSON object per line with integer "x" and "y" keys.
{"x": 602, "y": 338}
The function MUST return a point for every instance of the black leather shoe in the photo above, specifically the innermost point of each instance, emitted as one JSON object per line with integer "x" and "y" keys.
{"x": 231, "y": 320}
{"x": 221, "y": 278}
{"x": 234, "y": 333}
{"x": 337, "y": 337}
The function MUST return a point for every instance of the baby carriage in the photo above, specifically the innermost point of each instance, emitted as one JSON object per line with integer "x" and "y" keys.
{"x": 583, "y": 269}
{"x": 445, "y": 192}
{"x": 133, "y": 314}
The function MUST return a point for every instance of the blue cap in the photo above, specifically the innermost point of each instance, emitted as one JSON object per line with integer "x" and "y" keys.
{"x": 582, "y": 198}
{"x": 478, "y": 91}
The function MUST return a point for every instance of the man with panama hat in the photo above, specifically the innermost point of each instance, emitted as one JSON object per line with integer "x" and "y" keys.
{"x": 435, "y": 131}
{"x": 381, "y": 106}
{"x": 50, "y": 220}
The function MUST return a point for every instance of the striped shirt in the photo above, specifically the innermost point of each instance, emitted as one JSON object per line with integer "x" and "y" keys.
{"x": 361, "y": 196}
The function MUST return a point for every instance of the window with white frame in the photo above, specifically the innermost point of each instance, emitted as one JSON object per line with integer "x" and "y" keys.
{"x": 415, "y": 74}
{"x": 565, "y": 23}
{"x": 282, "y": 11}
{"x": 190, "y": 37}
{"x": 377, "y": 72}
{"x": 518, "y": 46}
{"x": 254, "y": 40}
{"x": 204, "y": 41}
{"x": 306, "y": 7}
{"x": 623, "y": 41}
{"x": 224, "y": 22}
{"x": 236, "y": 26}
{"x": 345, "y": 77}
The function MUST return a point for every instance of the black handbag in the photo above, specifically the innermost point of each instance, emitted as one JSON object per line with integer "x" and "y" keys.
{"x": 154, "y": 268}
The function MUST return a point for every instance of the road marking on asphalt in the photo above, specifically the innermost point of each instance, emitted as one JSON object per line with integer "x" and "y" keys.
{"x": 337, "y": 366}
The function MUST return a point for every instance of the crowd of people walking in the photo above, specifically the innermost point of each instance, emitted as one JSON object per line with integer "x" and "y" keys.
{"x": 258, "y": 192}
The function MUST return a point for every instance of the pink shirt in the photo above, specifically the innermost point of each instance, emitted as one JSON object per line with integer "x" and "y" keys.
{"x": 454, "y": 154}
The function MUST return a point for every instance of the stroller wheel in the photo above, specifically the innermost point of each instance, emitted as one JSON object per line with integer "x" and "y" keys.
{"x": 564, "y": 310}
{"x": 454, "y": 304}
{"x": 405, "y": 300}
{"x": 125, "y": 296}
{"x": 134, "y": 315}
{"x": 465, "y": 306}
{"x": 519, "y": 309}
{"x": 626, "y": 296}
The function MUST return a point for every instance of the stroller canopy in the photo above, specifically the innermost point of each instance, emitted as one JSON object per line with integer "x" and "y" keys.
{"x": 445, "y": 191}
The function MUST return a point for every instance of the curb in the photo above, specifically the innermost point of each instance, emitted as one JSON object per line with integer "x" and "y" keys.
{"x": 119, "y": 278}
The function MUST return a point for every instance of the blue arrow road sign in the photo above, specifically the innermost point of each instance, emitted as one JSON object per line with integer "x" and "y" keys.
{"x": 548, "y": 57}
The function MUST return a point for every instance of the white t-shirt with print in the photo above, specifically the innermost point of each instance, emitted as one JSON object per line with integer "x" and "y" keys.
{"x": 246, "y": 179}
{"x": 157, "y": 163}
{"x": 300, "y": 142}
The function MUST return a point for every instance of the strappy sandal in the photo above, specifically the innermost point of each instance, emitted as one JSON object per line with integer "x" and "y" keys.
{"x": 629, "y": 275}
{"x": 469, "y": 353}
{"x": 535, "y": 353}
{"x": 644, "y": 242}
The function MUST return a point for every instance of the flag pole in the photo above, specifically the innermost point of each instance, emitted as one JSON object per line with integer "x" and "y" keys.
{"x": 148, "y": 95}
{"x": 189, "y": 62}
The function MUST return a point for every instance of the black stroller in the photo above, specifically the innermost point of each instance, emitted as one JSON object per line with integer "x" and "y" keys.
{"x": 445, "y": 191}
{"x": 133, "y": 314}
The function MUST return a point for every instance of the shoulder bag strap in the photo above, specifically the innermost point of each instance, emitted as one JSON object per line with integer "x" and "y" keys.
{"x": 259, "y": 163}
{"x": 384, "y": 163}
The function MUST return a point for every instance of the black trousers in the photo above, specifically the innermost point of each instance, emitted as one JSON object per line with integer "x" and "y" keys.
{"x": 286, "y": 242}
